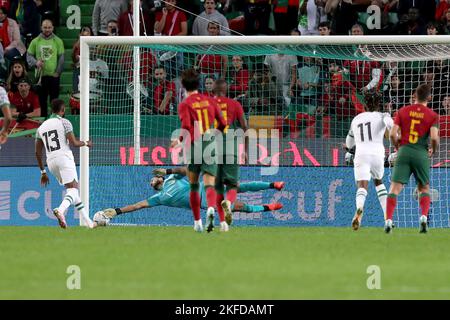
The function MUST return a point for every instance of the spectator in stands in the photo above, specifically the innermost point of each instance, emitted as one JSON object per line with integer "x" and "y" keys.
{"x": 427, "y": 8}
{"x": 257, "y": 15}
{"x": 164, "y": 93}
{"x": 105, "y": 11}
{"x": 283, "y": 69}
{"x": 387, "y": 26}
{"x": 324, "y": 28}
{"x": 208, "y": 85}
{"x": 200, "y": 26}
{"x": 47, "y": 51}
{"x": 445, "y": 105}
{"x": 394, "y": 96}
{"x": 263, "y": 96}
{"x": 238, "y": 77}
{"x": 212, "y": 64}
{"x": 364, "y": 75}
{"x": 25, "y": 101}
{"x": 411, "y": 23}
{"x": 17, "y": 72}
{"x": 172, "y": 22}
{"x": 285, "y": 14}
{"x": 446, "y": 22}
{"x": 357, "y": 30}
{"x": 307, "y": 82}
{"x": 441, "y": 81}
{"x": 10, "y": 42}
{"x": 432, "y": 29}
{"x": 112, "y": 28}
{"x": 125, "y": 21}
{"x": 312, "y": 13}
{"x": 85, "y": 31}
{"x": 343, "y": 13}
{"x": 26, "y": 14}
{"x": 441, "y": 9}
{"x": 344, "y": 104}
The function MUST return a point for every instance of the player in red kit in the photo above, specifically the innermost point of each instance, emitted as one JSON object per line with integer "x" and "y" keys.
{"x": 228, "y": 168}
{"x": 197, "y": 113}
{"x": 413, "y": 125}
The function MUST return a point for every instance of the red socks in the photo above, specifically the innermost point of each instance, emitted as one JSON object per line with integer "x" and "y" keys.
{"x": 424, "y": 202}
{"x": 219, "y": 207}
{"x": 194, "y": 200}
{"x": 210, "y": 196}
{"x": 391, "y": 203}
{"x": 232, "y": 195}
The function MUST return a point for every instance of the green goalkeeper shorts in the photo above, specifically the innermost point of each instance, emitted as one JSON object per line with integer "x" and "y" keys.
{"x": 411, "y": 161}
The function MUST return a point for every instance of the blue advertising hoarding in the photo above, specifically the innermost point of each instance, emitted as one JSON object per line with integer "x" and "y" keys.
{"x": 323, "y": 196}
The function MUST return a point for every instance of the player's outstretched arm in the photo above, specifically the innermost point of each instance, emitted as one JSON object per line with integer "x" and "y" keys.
{"x": 163, "y": 171}
{"x": 77, "y": 143}
{"x": 134, "y": 207}
{"x": 38, "y": 146}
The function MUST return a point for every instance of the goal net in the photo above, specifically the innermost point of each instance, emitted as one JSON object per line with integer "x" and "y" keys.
{"x": 299, "y": 95}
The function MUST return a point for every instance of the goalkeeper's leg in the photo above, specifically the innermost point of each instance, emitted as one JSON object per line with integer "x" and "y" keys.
{"x": 255, "y": 186}
{"x": 243, "y": 207}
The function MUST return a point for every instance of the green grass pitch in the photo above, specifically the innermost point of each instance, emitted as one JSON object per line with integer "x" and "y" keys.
{"x": 246, "y": 263}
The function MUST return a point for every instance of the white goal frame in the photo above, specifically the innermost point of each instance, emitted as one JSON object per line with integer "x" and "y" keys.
{"x": 85, "y": 42}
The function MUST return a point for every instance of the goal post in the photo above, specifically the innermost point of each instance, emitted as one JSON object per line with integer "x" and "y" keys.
{"x": 130, "y": 132}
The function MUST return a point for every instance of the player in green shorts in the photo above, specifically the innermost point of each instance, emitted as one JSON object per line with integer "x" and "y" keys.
{"x": 228, "y": 167}
{"x": 413, "y": 125}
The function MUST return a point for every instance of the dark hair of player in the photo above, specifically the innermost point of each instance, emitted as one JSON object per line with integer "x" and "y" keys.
{"x": 220, "y": 87}
{"x": 190, "y": 79}
{"x": 423, "y": 92}
{"x": 57, "y": 105}
{"x": 372, "y": 100}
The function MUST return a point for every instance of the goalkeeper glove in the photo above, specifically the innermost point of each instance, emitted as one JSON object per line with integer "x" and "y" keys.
{"x": 159, "y": 172}
{"x": 22, "y": 116}
{"x": 349, "y": 158}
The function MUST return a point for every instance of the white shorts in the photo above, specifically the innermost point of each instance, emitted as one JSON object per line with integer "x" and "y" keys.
{"x": 367, "y": 166}
{"x": 63, "y": 168}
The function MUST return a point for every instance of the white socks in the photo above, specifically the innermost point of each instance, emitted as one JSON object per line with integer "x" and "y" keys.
{"x": 361, "y": 195}
{"x": 382, "y": 196}
{"x": 71, "y": 197}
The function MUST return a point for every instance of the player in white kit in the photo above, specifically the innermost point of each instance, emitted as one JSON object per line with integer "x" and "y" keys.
{"x": 367, "y": 132}
{"x": 54, "y": 135}
{"x": 4, "y": 107}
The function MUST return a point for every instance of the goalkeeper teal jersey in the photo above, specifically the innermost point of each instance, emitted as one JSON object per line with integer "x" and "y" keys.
{"x": 175, "y": 193}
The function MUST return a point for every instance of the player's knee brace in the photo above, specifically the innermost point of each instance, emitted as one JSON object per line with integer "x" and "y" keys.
{"x": 195, "y": 187}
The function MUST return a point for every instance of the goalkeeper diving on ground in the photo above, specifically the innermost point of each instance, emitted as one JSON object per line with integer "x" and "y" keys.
{"x": 173, "y": 191}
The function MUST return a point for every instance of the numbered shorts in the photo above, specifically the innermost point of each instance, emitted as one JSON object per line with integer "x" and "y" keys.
{"x": 411, "y": 161}
{"x": 368, "y": 166}
{"x": 63, "y": 168}
{"x": 227, "y": 174}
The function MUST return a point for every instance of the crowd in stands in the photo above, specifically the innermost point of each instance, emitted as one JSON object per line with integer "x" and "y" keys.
{"x": 32, "y": 55}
